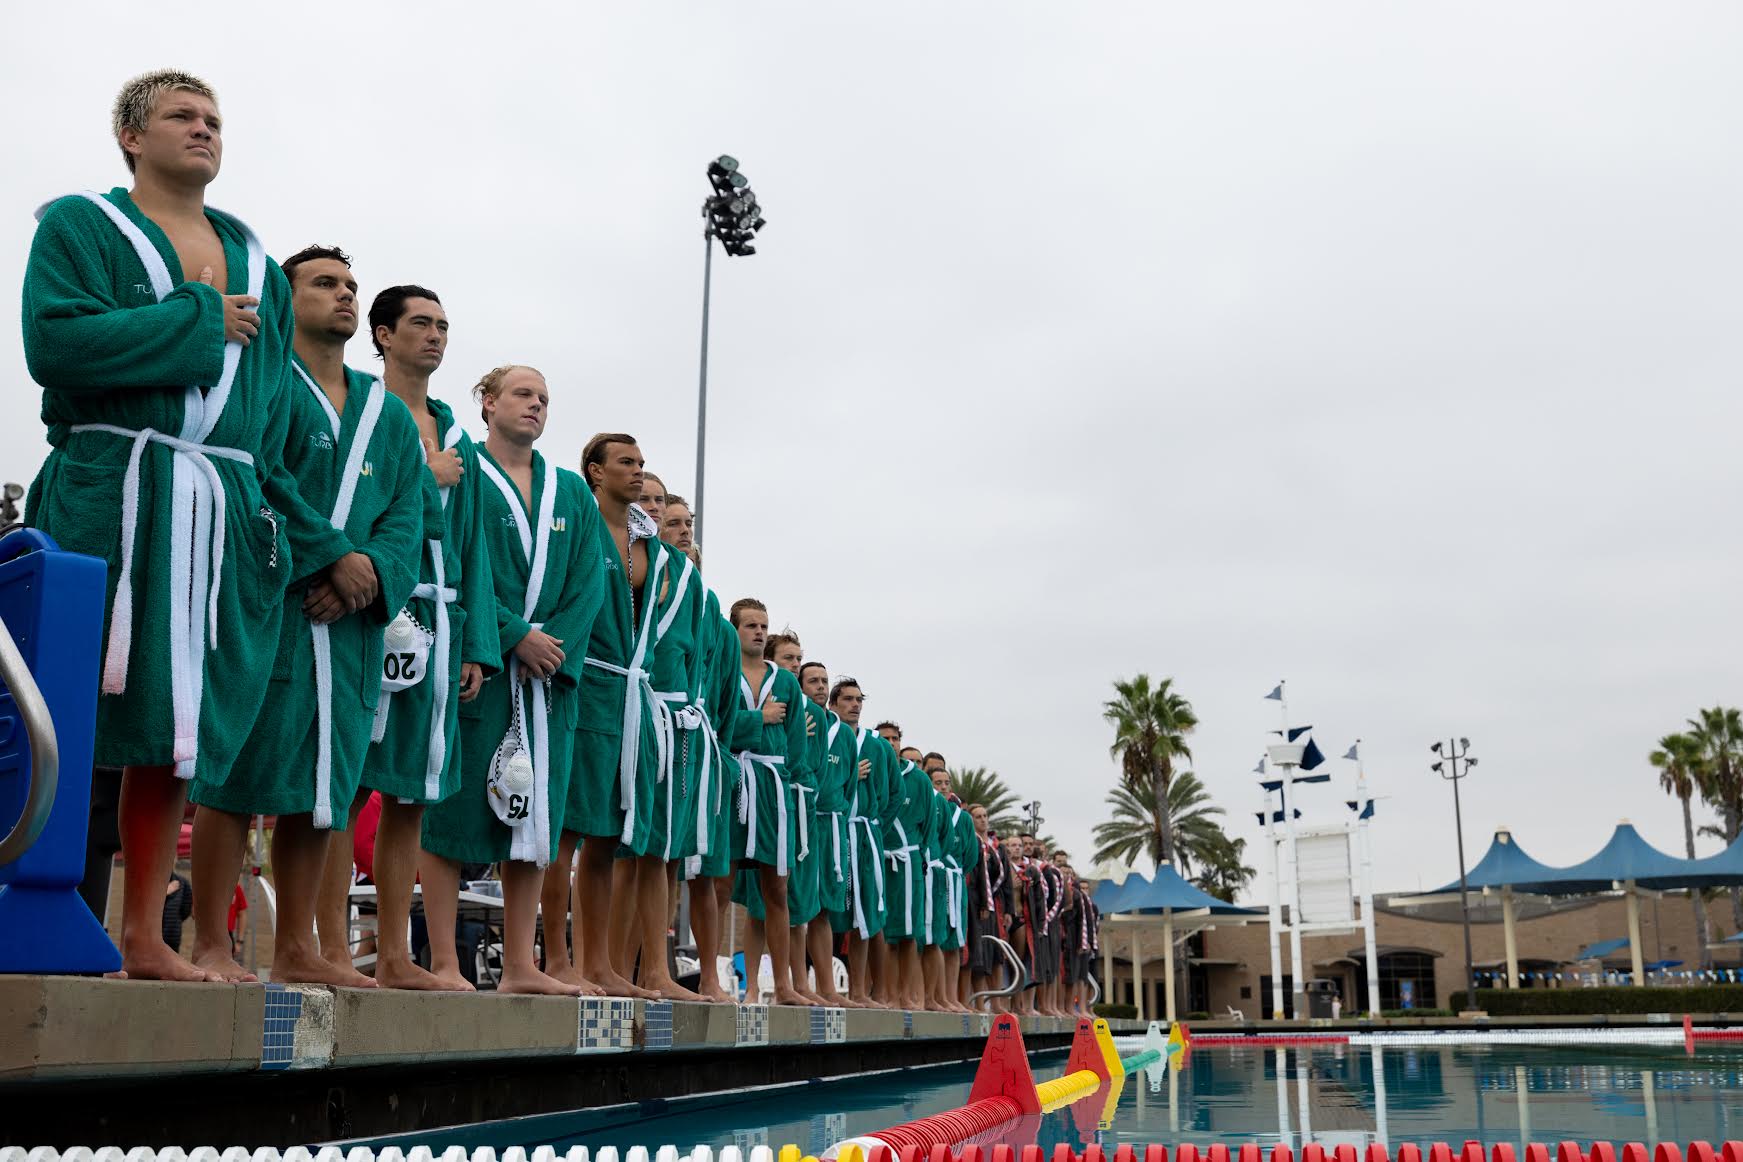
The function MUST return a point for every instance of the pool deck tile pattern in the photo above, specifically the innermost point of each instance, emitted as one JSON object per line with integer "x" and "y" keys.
{"x": 78, "y": 1027}
{"x": 604, "y": 1024}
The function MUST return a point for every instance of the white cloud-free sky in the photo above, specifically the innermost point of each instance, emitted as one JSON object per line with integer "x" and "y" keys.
{"x": 1392, "y": 349}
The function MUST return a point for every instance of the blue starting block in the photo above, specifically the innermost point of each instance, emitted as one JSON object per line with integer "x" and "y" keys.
{"x": 52, "y": 605}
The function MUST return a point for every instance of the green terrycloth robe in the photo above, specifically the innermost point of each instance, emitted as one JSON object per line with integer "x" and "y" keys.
{"x": 933, "y": 846}
{"x": 602, "y": 803}
{"x": 960, "y": 854}
{"x": 905, "y": 851}
{"x": 804, "y": 884}
{"x": 869, "y": 797}
{"x": 833, "y": 861}
{"x": 720, "y": 692}
{"x": 463, "y": 827}
{"x": 678, "y": 677}
{"x": 106, "y": 351}
{"x": 401, "y": 763}
{"x": 764, "y": 823}
{"x": 277, "y": 771}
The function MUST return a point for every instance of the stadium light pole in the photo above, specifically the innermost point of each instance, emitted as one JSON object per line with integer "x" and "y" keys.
{"x": 1449, "y": 757}
{"x": 731, "y": 214}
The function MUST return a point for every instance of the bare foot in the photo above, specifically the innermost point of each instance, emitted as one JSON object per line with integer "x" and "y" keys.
{"x": 292, "y": 967}
{"x": 531, "y": 980}
{"x": 451, "y": 981}
{"x": 788, "y": 995}
{"x": 569, "y": 974}
{"x": 716, "y": 995}
{"x": 616, "y": 986}
{"x": 153, "y": 960}
{"x": 668, "y": 989}
{"x": 218, "y": 964}
{"x": 833, "y": 1001}
{"x": 403, "y": 974}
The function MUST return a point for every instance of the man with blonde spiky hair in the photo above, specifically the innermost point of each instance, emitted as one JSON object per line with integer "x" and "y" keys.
{"x": 160, "y": 333}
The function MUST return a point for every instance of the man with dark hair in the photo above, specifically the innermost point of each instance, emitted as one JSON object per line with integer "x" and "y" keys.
{"x": 617, "y": 743}
{"x": 768, "y": 742}
{"x": 828, "y": 829}
{"x": 160, "y": 333}
{"x": 871, "y": 766}
{"x": 909, "y": 823}
{"x": 988, "y": 887}
{"x": 359, "y": 462}
{"x": 445, "y": 642}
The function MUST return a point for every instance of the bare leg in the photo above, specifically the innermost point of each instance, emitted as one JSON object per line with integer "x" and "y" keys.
{"x": 333, "y": 909}
{"x": 220, "y": 847}
{"x": 299, "y": 855}
{"x": 151, "y": 817}
{"x": 593, "y": 908}
{"x": 775, "y": 931}
{"x": 819, "y": 940}
{"x": 441, "y": 878}
{"x": 754, "y": 947}
{"x": 653, "y": 913}
{"x": 705, "y": 921}
{"x": 932, "y": 977}
{"x": 622, "y": 918}
{"x": 554, "y": 896}
{"x": 397, "y": 839}
{"x": 800, "y": 949}
{"x": 885, "y": 982}
{"x": 858, "y": 971}
{"x": 521, "y": 883}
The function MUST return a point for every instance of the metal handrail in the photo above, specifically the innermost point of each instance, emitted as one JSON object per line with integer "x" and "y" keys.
{"x": 45, "y": 755}
{"x": 1019, "y": 978}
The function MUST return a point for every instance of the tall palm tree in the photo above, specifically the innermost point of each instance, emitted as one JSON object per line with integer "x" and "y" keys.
{"x": 1150, "y": 728}
{"x": 978, "y": 785}
{"x": 1137, "y": 827}
{"x": 1719, "y": 733}
{"x": 1678, "y": 759}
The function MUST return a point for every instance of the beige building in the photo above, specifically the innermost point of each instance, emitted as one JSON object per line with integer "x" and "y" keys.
{"x": 1421, "y": 952}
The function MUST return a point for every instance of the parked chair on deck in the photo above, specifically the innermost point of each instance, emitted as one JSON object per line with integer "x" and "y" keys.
{"x": 1236, "y": 1015}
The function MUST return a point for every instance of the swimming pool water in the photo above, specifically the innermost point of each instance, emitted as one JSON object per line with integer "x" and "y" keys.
{"x": 1326, "y": 1094}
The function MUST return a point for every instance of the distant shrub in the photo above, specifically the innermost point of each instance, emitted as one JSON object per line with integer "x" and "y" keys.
{"x": 1418, "y": 1012}
{"x": 1116, "y": 1012}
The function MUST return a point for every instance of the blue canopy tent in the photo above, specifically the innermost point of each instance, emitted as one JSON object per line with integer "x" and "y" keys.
{"x": 1138, "y": 902}
{"x": 1602, "y": 949}
{"x": 1626, "y": 863}
{"x": 1503, "y": 869}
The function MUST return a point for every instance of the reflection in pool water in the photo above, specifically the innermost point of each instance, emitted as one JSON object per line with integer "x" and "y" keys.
{"x": 1325, "y": 1094}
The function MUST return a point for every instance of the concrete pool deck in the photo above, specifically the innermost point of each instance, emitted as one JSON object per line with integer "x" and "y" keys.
{"x": 87, "y": 1061}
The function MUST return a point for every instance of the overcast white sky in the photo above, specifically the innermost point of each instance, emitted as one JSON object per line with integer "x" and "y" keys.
{"x": 1392, "y": 349}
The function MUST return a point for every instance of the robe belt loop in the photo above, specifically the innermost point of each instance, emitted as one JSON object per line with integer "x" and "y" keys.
{"x": 904, "y": 854}
{"x": 799, "y": 793}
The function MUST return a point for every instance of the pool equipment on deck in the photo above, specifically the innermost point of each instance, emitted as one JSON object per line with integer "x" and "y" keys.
{"x": 51, "y": 603}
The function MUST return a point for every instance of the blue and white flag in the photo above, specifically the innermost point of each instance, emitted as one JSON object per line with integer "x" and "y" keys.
{"x": 1362, "y": 810}
{"x": 1276, "y": 816}
{"x": 1352, "y": 755}
{"x": 1276, "y": 695}
{"x": 1260, "y": 769}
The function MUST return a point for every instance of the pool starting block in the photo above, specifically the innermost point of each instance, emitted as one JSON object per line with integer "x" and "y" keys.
{"x": 52, "y": 604}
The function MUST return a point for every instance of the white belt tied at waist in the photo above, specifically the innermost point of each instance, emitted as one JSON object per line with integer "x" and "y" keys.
{"x": 637, "y": 689}
{"x": 955, "y": 894}
{"x": 747, "y": 805}
{"x": 196, "y": 568}
{"x": 904, "y": 853}
{"x": 672, "y": 715}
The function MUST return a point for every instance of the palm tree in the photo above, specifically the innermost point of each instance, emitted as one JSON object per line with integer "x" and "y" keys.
{"x": 978, "y": 785}
{"x": 1678, "y": 759}
{"x": 1719, "y": 734}
{"x": 1150, "y": 729}
{"x": 1137, "y": 829}
{"x": 1225, "y": 875}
